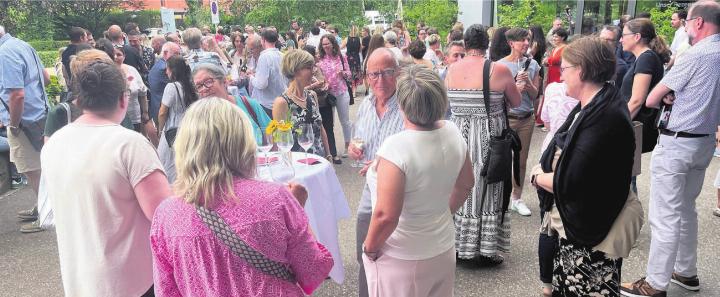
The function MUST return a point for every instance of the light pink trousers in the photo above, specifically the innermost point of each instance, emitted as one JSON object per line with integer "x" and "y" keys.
{"x": 392, "y": 277}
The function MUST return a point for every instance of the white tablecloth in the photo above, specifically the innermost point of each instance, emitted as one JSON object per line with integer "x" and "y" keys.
{"x": 325, "y": 207}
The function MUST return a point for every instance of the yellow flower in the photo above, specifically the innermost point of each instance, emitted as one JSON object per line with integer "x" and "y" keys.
{"x": 284, "y": 126}
{"x": 271, "y": 127}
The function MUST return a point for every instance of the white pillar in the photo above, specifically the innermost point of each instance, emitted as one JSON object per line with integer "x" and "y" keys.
{"x": 475, "y": 12}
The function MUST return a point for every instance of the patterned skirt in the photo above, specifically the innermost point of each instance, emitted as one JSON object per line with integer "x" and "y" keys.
{"x": 480, "y": 229}
{"x": 580, "y": 271}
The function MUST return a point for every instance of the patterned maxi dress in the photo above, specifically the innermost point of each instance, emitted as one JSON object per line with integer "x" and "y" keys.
{"x": 479, "y": 231}
{"x": 300, "y": 115}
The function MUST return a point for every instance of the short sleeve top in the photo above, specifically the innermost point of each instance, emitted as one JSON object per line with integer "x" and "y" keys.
{"x": 426, "y": 227}
{"x": 647, "y": 63}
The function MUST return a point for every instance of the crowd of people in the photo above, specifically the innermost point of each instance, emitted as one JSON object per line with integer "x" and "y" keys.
{"x": 149, "y": 161}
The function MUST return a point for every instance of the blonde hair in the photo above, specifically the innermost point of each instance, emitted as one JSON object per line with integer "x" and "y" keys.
{"x": 353, "y": 31}
{"x": 86, "y": 57}
{"x": 214, "y": 144}
{"x": 294, "y": 60}
{"x": 422, "y": 95}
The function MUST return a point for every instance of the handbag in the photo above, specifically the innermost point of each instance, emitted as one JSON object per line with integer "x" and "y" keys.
{"x": 347, "y": 83}
{"x": 503, "y": 156}
{"x": 240, "y": 248}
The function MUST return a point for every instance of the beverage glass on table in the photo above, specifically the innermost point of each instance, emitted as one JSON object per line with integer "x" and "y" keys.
{"x": 283, "y": 172}
{"x": 305, "y": 139}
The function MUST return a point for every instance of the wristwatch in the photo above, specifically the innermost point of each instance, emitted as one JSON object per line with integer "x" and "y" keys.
{"x": 533, "y": 180}
{"x": 371, "y": 255}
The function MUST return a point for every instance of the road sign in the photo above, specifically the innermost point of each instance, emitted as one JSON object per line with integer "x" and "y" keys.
{"x": 214, "y": 12}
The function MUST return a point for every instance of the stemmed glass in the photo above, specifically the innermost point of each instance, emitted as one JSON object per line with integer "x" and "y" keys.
{"x": 284, "y": 171}
{"x": 358, "y": 142}
{"x": 264, "y": 144}
{"x": 305, "y": 139}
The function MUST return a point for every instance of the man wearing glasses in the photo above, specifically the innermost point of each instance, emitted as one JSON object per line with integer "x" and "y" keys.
{"x": 378, "y": 117}
{"x": 683, "y": 153}
{"x": 611, "y": 35}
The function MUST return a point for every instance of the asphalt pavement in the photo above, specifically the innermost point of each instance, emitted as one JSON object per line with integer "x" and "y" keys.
{"x": 29, "y": 262}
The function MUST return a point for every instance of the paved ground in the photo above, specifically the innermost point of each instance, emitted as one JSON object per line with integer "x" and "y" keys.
{"x": 29, "y": 263}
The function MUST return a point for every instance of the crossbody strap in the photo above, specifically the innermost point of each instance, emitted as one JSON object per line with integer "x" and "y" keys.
{"x": 240, "y": 248}
{"x": 486, "y": 92}
{"x": 250, "y": 110}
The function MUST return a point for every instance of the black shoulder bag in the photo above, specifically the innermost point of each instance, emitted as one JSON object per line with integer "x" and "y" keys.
{"x": 503, "y": 156}
{"x": 347, "y": 82}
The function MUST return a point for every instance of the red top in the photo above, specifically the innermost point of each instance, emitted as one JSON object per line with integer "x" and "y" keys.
{"x": 554, "y": 65}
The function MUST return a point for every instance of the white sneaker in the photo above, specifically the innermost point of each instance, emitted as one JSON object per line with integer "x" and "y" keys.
{"x": 520, "y": 207}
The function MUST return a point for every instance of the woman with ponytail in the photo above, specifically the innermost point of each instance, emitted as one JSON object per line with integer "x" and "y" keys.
{"x": 178, "y": 95}
{"x": 651, "y": 52}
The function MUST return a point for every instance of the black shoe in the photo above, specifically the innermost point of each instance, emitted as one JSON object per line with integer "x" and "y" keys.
{"x": 491, "y": 261}
{"x": 689, "y": 283}
{"x": 336, "y": 160}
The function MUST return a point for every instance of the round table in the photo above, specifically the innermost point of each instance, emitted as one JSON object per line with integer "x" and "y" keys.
{"x": 326, "y": 204}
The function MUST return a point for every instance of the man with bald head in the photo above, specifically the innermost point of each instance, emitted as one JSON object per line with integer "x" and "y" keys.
{"x": 132, "y": 55}
{"x": 156, "y": 43}
{"x": 158, "y": 79}
{"x": 378, "y": 117}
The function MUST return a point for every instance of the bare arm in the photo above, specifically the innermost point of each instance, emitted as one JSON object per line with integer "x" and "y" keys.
{"x": 142, "y": 98}
{"x": 463, "y": 185}
{"x": 151, "y": 191}
{"x": 162, "y": 117}
{"x": 545, "y": 181}
{"x": 279, "y": 109}
{"x": 656, "y": 95}
{"x": 641, "y": 83}
{"x": 46, "y": 77}
{"x": 391, "y": 187}
{"x": 511, "y": 92}
{"x": 17, "y": 106}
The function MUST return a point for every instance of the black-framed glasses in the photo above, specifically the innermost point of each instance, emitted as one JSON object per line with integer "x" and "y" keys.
{"x": 690, "y": 19}
{"x": 208, "y": 83}
{"x": 629, "y": 34}
{"x": 379, "y": 74}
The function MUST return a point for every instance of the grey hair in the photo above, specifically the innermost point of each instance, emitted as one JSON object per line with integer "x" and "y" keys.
{"x": 390, "y": 37}
{"x": 192, "y": 38}
{"x": 422, "y": 95}
{"x": 708, "y": 10}
{"x": 453, "y": 43}
{"x": 215, "y": 71}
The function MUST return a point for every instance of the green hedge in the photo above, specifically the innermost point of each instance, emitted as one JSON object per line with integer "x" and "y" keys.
{"x": 48, "y": 58}
{"x": 53, "y": 90}
{"x": 48, "y": 45}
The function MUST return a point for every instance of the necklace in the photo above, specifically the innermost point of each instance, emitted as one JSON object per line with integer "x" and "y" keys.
{"x": 294, "y": 96}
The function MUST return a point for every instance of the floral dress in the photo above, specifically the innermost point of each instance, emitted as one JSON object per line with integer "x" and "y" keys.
{"x": 311, "y": 115}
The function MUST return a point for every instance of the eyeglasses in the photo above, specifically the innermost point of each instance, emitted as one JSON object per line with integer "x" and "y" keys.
{"x": 562, "y": 69}
{"x": 208, "y": 83}
{"x": 384, "y": 73}
{"x": 690, "y": 19}
{"x": 630, "y": 34}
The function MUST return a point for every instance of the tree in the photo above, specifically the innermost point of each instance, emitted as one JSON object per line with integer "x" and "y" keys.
{"x": 89, "y": 14}
{"x": 440, "y": 14}
{"x": 525, "y": 13}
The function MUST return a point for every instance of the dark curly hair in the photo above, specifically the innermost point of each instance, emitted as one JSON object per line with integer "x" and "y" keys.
{"x": 417, "y": 49}
{"x": 499, "y": 47}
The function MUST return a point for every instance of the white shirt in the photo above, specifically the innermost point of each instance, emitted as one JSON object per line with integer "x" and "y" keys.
{"x": 313, "y": 40}
{"x": 680, "y": 38}
{"x": 103, "y": 235}
{"x": 431, "y": 162}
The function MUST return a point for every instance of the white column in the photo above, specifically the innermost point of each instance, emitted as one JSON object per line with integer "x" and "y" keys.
{"x": 475, "y": 12}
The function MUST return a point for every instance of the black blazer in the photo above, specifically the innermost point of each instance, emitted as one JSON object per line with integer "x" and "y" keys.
{"x": 592, "y": 178}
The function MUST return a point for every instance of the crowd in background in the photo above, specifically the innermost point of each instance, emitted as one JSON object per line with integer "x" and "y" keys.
{"x": 182, "y": 116}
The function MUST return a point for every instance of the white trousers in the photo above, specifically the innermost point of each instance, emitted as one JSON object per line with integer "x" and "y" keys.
{"x": 343, "y": 111}
{"x": 677, "y": 172}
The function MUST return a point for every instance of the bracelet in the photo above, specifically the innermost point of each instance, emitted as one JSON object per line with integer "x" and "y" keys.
{"x": 533, "y": 180}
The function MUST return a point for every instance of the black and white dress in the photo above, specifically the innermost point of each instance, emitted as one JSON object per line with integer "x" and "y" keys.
{"x": 311, "y": 114}
{"x": 480, "y": 230}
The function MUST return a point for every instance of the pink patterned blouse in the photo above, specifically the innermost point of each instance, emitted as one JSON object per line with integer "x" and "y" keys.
{"x": 331, "y": 68}
{"x": 190, "y": 261}
{"x": 556, "y": 108}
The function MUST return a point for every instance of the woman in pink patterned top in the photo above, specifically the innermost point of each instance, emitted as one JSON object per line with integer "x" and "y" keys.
{"x": 189, "y": 260}
{"x": 556, "y": 108}
{"x": 331, "y": 62}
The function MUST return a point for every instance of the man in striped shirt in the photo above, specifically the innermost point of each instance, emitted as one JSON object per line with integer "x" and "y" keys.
{"x": 378, "y": 117}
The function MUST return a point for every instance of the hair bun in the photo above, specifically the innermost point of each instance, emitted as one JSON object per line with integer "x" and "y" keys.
{"x": 91, "y": 79}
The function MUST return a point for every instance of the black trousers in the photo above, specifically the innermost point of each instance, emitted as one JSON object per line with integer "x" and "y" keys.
{"x": 328, "y": 121}
{"x": 149, "y": 293}
{"x": 547, "y": 247}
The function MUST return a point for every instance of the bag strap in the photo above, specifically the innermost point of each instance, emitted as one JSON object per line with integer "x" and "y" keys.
{"x": 240, "y": 248}
{"x": 66, "y": 106}
{"x": 250, "y": 110}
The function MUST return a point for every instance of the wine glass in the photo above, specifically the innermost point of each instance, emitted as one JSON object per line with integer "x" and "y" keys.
{"x": 359, "y": 143}
{"x": 264, "y": 144}
{"x": 283, "y": 171}
{"x": 306, "y": 139}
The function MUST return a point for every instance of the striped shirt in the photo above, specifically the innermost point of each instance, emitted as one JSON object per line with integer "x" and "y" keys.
{"x": 374, "y": 129}
{"x": 696, "y": 82}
